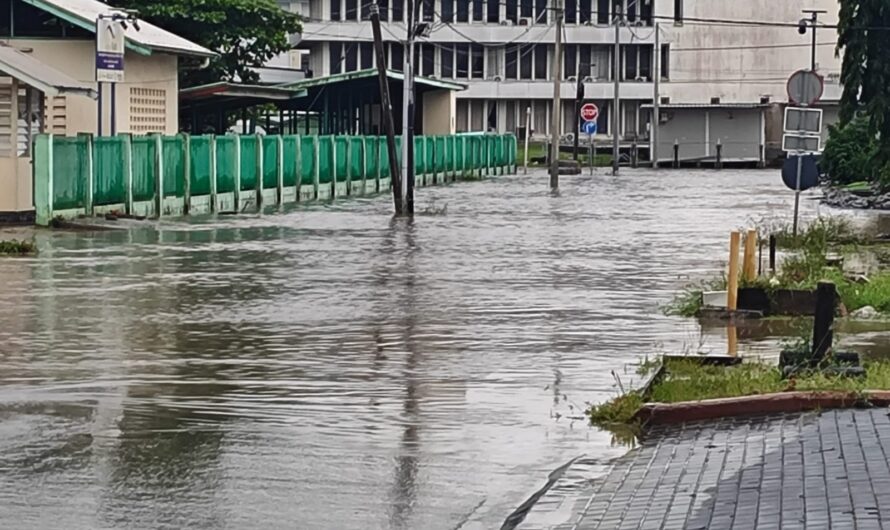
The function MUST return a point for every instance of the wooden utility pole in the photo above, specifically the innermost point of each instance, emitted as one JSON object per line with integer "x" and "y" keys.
{"x": 616, "y": 101}
{"x": 656, "y": 99}
{"x": 557, "y": 107}
{"x": 386, "y": 105}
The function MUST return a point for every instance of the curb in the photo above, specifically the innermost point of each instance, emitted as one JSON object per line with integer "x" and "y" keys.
{"x": 780, "y": 402}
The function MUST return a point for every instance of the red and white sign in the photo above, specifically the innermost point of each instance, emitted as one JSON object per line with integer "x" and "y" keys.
{"x": 589, "y": 112}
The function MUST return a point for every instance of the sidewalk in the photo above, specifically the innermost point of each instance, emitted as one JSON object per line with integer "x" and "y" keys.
{"x": 811, "y": 470}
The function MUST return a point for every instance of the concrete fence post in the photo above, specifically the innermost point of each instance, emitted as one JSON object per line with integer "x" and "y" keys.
{"x": 236, "y": 172}
{"x": 676, "y": 154}
{"x": 159, "y": 175}
{"x": 349, "y": 190}
{"x": 186, "y": 174}
{"x": 43, "y": 178}
{"x": 128, "y": 173}
{"x": 719, "y": 164}
{"x": 259, "y": 172}
{"x": 299, "y": 172}
{"x": 88, "y": 195}
{"x": 316, "y": 177}
{"x": 364, "y": 165}
{"x": 279, "y": 169}
{"x": 214, "y": 207}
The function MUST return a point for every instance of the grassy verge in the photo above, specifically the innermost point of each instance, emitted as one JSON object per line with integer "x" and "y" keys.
{"x": 14, "y": 247}
{"x": 691, "y": 381}
{"x": 540, "y": 150}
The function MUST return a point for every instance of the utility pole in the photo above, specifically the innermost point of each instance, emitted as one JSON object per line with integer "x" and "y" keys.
{"x": 386, "y": 107}
{"x": 656, "y": 100}
{"x": 407, "y": 188}
{"x": 616, "y": 102}
{"x": 557, "y": 107}
{"x": 802, "y": 28}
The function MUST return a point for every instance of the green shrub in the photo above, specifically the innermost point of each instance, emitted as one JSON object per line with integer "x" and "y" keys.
{"x": 849, "y": 154}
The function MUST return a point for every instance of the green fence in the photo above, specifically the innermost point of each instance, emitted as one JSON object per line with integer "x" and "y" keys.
{"x": 178, "y": 175}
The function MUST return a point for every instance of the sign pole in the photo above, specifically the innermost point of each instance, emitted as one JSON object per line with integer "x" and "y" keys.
{"x": 99, "y": 108}
{"x": 797, "y": 193}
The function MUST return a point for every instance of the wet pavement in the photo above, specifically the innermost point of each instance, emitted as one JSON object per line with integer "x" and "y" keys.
{"x": 811, "y": 470}
{"x": 327, "y": 367}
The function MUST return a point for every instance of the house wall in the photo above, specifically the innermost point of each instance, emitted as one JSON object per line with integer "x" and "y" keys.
{"x": 439, "y": 112}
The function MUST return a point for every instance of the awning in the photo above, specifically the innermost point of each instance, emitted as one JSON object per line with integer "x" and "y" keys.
{"x": 372, "y": 72}
{"x": 40, "y": 75}
{"x": 705, "y": 106}
{"x": 228, "y": 95}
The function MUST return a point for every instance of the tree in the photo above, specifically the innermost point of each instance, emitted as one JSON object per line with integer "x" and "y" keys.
{"x": 865, "y": 71}
{"x": 850, "y": 152}
{"x": 245, "y": 33}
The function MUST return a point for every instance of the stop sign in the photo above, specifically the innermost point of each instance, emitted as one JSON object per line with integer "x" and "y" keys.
{"x": 589, "y": 112}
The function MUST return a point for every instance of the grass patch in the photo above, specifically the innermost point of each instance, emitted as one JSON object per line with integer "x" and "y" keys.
{"x": 819, "y": 234}
{"x": 15, "y": 247}
{"x": 688, "y": 380}
{"x": 540, "y": 150}
{"x": 689, "y": 301}
{"x": 862, "y": 187}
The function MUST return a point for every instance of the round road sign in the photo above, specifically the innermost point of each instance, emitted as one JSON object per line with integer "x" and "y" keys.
{"x": 589, "y": 112}
{"x": 804, "y": 87}
{"x": 590, "y": 127}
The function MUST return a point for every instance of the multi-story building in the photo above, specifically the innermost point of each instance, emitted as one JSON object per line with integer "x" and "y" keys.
{"x": 503, "y": 51}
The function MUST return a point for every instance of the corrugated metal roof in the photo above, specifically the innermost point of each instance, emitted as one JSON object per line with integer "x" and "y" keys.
{"x": 238, "y": 90}
{"x": 361, "y": 74}
{"x": 40, "y": 75}
{"x": 83, "y": 13}
{"x": 708, "y": 106}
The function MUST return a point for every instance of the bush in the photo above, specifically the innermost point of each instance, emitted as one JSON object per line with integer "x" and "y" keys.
{"x": 849, "y": 154}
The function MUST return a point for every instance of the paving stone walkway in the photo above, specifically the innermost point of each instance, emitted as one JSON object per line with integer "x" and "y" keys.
{"x": 811, "y": 470}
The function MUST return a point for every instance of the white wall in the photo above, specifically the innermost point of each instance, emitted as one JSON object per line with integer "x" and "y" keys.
{"x": 742, "y": 75}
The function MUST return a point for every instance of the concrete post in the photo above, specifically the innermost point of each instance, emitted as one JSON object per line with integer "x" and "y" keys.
{"x": 214, "y": 206}
{"x": 237, "y": 173}
{"x": 259, "y": 172}
{"x": 159, "y": 175}
{"x": 823, "y": 334}
{"x": 719, "y": 163}
{"x": 676, "y": 154}
{"x": 279, "y": 169}
{"x": 88, "y": 195}
{"x": 43, "y": 178}
{"x": 186, "y": 174}
{"x": 128, "y": 175}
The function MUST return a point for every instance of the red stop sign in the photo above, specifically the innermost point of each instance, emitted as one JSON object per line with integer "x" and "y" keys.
{"x": 589, "y": 112}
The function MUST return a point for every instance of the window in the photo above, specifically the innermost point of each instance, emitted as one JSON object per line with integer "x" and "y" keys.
{"x": 463, "y": 10}
{"x": 336, "y": 57}
{"x": 398, "y": 57}
{"x": 148, "y": 110}
{"x": 678, "y": 11}
{"x": 571, "y": 12}
{"x": 492, "y": 115}
{"x": 512, "y": 11}
{"x": 584, "y": 7}
{"x": 631, "y": 55}
{"x": 428, "y": 10}
{"x": 570, "y": 58}
{"x": 383, "y": 6}
{"x": 428, "y": 66}
{"x": 335, "y": 9}
{"x": 367, "y": 55}
{"x": 478, "y": 62}
{"x": 462, "y": 52}
{"x": 31, "y": 118}
{"x": 351, "y": 62}
{"x": 493, "y": 63}
{"x": 645, "y": 63}
{"x": 602, "y": 12}
{"x": 397, "y": 6}
{"x": 665, "y": 61}
{"x": 463, "y": 107}
{"x": 540, "y": 61}
{"x": 366, "y": 10}
{"x": 447, "y": 10}
{"x": 351, "y": 10}
{"x": 646, "y": 13}
{"x": 526, "y": 8}
{"x": 540, "y": 11}
{"x": 447, "y": 59}
{"x": 511, "y": 62}
{"x": 477, "y": 114}
{"x": 525, "y": 62}
{"x": 584, "y": 60}
{"x": 477, "y": 10}
{"x": 632, "y": 11}
{"x": 494, "y": 11}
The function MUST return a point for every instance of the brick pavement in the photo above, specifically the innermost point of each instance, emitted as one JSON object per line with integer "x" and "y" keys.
{"x": 812, "y": 470}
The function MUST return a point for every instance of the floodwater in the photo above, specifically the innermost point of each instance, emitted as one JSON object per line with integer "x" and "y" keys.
{"x": 327, "y": 367}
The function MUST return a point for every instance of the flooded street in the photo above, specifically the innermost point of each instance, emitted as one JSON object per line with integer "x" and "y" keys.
{"x": 327, "y": 367}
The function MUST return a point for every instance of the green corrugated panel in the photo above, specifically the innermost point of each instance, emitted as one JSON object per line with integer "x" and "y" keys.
{"x": 109, "y": 171}
{"x": 383, "y": 156}
{"x": 430, "y": 162}
{"x": 325, "y": 159}
{"x": 270, "y": 162}
{"x": 458, "y": 154}
{"x": 512, "y": 151}
{"x": 441, "y": 165}
{"x": 70, "y": 166}
{"x": 144, "y": 149}
{"x": 307, "y": 171}
{"x": 174, "y": 166}
{"x": 356, "y": 158}
{"x": 419, "y": 155}
{"x": 341, "y": 162}
{"x": 248, "y": 162}
{"x": 372, "y": 154}
{"x": 291, "y": 171}
{"x": 225, "y": 164}
{"x": 199, "y": 157}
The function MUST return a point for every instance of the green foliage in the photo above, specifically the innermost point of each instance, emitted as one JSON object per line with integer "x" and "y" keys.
{"x": 850, "y": 151}
{"x": 817, "y": 235}
{"x": 689, "y": 301}
{"x": 14, "y": 247}
{"x": 618, "y": 410}
{"x": 865, "y": 71}
{"x": 246, "y": 33}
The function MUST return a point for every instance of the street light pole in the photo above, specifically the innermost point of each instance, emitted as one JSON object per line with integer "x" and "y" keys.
{"x": 802, "y": 28}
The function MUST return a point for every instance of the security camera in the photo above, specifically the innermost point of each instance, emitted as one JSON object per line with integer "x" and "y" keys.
{"x": 136, "y": 25}
{"x": 802, "y": 26}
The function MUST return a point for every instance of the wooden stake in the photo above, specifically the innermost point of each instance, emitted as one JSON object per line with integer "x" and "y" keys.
{"x": 823, "y": 324}
{"x": 732, "y": 291}
{"x": 750, "y": 262}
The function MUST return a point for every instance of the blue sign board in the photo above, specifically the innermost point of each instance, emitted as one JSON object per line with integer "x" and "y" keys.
{"x": 809, "y": 172}
{"x": 589, "y": 127}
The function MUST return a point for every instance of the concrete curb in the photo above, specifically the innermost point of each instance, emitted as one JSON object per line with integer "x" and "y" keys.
{"x": 708, "y": 409}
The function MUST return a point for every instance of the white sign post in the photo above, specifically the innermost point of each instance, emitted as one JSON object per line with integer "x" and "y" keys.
{"x": 109, "y": 61}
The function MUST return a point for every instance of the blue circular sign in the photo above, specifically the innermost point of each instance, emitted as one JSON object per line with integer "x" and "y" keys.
{"x": 589, "y": 127}
{"x": 809, "y": 172}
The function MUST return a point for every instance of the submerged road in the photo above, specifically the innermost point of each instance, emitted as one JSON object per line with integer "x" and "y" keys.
{"x": 328, "y": 367}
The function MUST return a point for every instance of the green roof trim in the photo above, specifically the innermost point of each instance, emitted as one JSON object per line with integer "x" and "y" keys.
{"x": 372, "y": 72}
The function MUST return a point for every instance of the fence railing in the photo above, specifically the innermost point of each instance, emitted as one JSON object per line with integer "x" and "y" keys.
{"x": 155, "y": 176}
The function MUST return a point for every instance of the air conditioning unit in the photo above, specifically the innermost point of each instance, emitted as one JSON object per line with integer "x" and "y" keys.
{"x": 507, "y": 22}
{"x": 588, "y": 79}
{"x": 572, "y": 79}
{"x": 525, "y": 22}
{"x": 497, "y": 78}
{"x": 665, "y": 117}
{"x": 640, "y": 79}
{"x": 569, "y": 138}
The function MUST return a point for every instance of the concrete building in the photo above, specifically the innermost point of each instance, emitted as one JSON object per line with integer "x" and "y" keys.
{"x": 48, "y": 84}
{"x": 730, "y": 74}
